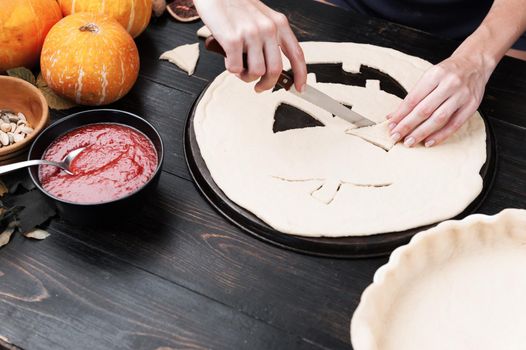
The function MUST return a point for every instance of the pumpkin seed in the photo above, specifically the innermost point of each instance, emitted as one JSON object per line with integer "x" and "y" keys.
{"x": 18, "y": 137}
{"x": 5, "y": 127}
{"x": 25, "y": 129}
{"x": 4, "y": 139}
{"x": 13, "y": 127}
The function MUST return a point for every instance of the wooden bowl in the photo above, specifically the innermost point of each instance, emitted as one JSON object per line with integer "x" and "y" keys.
{"x": 20, "y": 96}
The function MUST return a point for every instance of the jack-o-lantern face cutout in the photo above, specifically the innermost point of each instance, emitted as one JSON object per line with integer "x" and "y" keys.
{"x": 315, "y": 177}
{"x": 288, "y": 117}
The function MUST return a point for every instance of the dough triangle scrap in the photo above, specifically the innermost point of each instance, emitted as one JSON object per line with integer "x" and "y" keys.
{"x": 204, "y": 32}
{"x": 377, "y": 134}
{"x": 184, "y": 57}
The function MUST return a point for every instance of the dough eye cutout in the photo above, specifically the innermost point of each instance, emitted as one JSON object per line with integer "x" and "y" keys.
{"x": 288, "y": 117}
{"x": 334, "y": 73}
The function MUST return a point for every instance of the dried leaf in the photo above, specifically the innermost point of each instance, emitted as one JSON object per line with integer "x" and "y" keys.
{"x": 3, "y": 189}
{"x": 37, "y": 234}
{"x": 8, "y": 216}
{"x": 17, "y": 180}
{"x": 14, "y": 224}
{"x": 31, "y": 209}
{"x": 6, "y": 236}
{"x": 22, "y": 73}
{"x": 40, "y": 81}
{"x": 53, "y": 100}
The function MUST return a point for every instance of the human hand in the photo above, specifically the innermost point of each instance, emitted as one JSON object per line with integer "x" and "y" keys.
{"x": 252, "y": 27}
{"x": 444, "y": 98}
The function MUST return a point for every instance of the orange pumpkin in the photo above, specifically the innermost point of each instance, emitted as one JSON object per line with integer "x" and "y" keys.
{"x": 89, "y": 58}
{"x": 23, "y": 28}
{"x": 134, "y": 15}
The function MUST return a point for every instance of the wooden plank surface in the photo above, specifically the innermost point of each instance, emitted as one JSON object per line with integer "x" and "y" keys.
{"x": 64, "y": 294}
{"x": 177, "y": 274}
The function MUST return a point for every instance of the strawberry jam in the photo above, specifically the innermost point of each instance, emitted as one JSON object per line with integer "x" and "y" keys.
{"x": 116, "y": 161}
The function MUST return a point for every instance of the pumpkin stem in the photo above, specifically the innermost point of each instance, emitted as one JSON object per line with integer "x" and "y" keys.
{"x": 90, "y": 27}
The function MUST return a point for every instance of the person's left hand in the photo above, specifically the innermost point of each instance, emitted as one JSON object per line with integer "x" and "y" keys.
{"x": 444, "y": 98}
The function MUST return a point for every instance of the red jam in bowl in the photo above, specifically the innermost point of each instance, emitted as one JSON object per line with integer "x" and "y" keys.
{"x": 117, "y": 160}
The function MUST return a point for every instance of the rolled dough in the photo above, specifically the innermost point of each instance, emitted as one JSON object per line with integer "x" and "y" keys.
{"x": 204, "y": 32}
{"x": 332, "y": 181}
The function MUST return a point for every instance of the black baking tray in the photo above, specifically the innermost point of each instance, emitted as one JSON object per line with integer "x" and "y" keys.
{"x": 345, "y": 247}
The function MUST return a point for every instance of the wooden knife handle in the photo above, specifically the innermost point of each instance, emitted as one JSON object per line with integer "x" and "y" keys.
{"x": 285, "y": 80}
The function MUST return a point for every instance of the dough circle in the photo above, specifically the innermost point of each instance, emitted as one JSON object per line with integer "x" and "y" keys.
{"x": 324, "y": 181}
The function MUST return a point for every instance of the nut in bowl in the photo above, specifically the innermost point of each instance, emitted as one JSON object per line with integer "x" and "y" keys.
{"x": 23, "y": 114}
{"x": 119, "y": 164}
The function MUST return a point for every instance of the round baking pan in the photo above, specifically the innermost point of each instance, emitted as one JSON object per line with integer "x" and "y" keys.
{"x": 344, "y": 247}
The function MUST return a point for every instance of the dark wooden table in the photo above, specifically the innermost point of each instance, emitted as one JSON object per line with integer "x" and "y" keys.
{"x": 177, "y": 274}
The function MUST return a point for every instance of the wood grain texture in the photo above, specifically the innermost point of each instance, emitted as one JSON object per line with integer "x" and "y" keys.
{"x": 177, "y": 274}
{"x": 100, "y": 302}
{"x": 181, "y": 239}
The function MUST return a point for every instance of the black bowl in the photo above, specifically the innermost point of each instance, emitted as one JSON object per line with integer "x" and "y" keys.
{"x": 98, "y": 213}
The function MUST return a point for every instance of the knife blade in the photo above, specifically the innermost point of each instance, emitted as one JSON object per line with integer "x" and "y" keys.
{"x": 310, "y": 94}
{"x": 329, "y": 104}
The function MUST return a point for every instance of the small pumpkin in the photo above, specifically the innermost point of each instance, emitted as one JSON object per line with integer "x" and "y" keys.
{"x": 134, "y": 15}
{"x": 23, "y": 28}
{"x": 90, "y": 59}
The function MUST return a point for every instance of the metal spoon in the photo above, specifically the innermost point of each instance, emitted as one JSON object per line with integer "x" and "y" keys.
{"x": 64, "y": 165}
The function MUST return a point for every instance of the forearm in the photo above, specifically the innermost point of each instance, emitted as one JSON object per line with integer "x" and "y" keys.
{"x": 503, "y": 25}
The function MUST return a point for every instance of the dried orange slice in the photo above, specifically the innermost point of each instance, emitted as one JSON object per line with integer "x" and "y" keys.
{"x": 183, "y": 10}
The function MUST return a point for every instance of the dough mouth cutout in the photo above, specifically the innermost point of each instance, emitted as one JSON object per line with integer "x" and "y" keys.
{"x": 329, "y": 189}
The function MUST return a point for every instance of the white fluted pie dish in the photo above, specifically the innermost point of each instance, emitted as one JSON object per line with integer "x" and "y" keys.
{"x": 460, "y": 285}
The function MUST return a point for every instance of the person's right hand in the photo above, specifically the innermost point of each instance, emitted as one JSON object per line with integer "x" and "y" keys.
{"x": 252, "y": 27}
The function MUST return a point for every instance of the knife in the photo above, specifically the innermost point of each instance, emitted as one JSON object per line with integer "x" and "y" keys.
{"x": 310, "y": 94}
